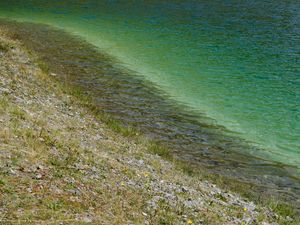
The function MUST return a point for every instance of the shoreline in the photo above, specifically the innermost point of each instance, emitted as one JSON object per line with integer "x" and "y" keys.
{"x": 57, "y": 149}
{"x": 110, "y": 90}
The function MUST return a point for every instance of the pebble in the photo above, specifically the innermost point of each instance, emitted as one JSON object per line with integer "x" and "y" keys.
{"x": 87, "y": 219}
{"x": 161, "y": 188}
{"x": 38, "y": 176}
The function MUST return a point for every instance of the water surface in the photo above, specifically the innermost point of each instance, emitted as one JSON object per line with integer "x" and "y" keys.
{"x": 223, "y": 75}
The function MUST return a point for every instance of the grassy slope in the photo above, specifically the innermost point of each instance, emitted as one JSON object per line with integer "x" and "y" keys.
{"x": 60, "y": 162}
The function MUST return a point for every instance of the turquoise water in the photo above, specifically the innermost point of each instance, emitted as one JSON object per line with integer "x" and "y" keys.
{"x": 237, "y": 62}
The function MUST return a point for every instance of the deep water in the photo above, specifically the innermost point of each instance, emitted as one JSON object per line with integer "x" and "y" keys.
{"x": 220, "y": 80}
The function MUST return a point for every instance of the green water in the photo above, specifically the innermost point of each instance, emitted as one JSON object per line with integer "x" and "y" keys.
{"x": 237, "y": 62}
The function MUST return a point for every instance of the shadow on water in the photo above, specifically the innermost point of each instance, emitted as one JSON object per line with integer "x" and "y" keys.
{"x": 134, "y": 101}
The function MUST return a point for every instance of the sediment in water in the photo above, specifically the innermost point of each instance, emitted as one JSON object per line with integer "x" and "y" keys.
{"x": 138, "y": 103}
{"x": 60, "y": 163}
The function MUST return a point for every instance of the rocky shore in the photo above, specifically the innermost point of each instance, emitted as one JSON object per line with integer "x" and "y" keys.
{"x": 62, "y": 164}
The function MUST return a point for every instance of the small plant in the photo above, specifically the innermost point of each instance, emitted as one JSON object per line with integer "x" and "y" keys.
{"x": 159, "y": 150}
{"x": 221, "y": 197}
{"x": 2, "y": 182}
{"x": 282, "y": 209}
{"x": 18, "y": 113}
{"x": 5, "y": 46}
{"x": 55, "y": 205}
{"x": 43, "y": 66}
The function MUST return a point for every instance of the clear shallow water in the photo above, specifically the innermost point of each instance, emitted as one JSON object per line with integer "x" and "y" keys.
{"x": 234, "y": 62}
{"x": 137, "y": 102}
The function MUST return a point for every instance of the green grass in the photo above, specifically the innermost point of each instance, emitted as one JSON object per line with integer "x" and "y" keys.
{"x": 18, "y": 113}
{"x": 282, "y": 208}
{"x": 158, "y": 149}
{"x": 43, "y": 66}
{"x": 5, "y": 46}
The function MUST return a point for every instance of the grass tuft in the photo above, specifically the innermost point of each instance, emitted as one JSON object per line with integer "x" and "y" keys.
{"x": 158, "y": 149}
{"x": 6, "y": 46}
{"x": 282, "y": 208}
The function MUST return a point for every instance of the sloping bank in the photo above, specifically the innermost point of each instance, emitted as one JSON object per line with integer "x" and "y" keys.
{"x": 62, "y": 163}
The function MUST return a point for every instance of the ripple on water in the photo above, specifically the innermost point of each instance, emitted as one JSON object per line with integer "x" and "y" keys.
{"x": 139, "y": 103}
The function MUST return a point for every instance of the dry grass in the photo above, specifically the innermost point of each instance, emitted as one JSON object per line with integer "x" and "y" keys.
{"x": 62, "y": 162}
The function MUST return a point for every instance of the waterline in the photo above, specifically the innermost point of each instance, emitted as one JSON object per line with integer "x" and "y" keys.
{"x": 139, "y": 103}
{"x": 239, "y": 69}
